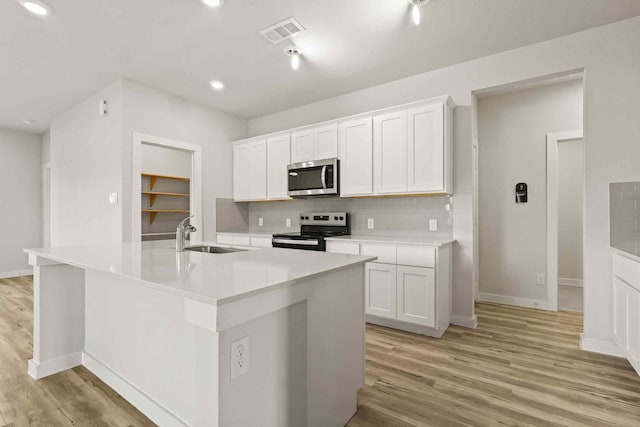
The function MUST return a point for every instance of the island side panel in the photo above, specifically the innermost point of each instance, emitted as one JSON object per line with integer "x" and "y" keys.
{"x": 335, "y": 347}
{"x": 58, "y": 317}
{"x": 143, "y": 343}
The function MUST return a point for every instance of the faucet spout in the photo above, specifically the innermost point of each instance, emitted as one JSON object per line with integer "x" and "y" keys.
{"x": 182, "y": 232}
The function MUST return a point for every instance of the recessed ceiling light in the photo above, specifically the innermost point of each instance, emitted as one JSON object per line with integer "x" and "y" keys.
{"x": 213, "y": 3}
{"x": 295, "y": 53}
{"x": 28, "y": 121}
{"x": 36, "y": 7}
{"x": 415, "y": 10}
{"x": 216, "y": 84}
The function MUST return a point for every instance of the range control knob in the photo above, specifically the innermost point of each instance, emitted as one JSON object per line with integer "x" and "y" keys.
{"x": 301, "y": 217}
{"x": 335, "y": 218}
{"x": 341, "y": 218}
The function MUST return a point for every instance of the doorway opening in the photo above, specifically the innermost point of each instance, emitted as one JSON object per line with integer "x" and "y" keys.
{"x": 166, "y": 188}
{"x": 565, "y": 207}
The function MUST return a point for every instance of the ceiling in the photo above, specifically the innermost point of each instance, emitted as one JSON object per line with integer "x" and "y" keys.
{"x": 50, "y": 63}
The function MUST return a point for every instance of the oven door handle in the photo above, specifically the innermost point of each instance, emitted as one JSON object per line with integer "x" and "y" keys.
{"x": 314, "y": 242}
{"x": 323, "y": 178}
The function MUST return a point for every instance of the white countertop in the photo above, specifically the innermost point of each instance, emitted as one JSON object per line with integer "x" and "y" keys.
{"x": 212, "y": 278}
{"x": 633, "y": 254}
{"x": 391, "y": 240}
{"x": 246, "y": 233}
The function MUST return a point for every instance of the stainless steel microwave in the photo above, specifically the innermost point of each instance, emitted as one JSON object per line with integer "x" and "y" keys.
{"x": 314, "y": 178}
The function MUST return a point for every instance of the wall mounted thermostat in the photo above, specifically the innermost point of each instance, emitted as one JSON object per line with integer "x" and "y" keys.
{"x": 521, "y": 192}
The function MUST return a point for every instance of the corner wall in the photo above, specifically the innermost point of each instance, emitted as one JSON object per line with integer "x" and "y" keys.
{"x": 20, "y": 198}
{"x": 611, "y": 60}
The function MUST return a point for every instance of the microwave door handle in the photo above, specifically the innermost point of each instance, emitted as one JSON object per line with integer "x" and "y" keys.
{"x": 324, "y": 177}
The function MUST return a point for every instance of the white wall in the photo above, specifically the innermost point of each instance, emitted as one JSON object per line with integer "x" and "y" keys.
{"x": 512, "y": 130}
{"x": 570, "y": 201}
{"x": 611, "y": 59}
{"x": 46, "y": 189}
{"x": 86, "y": 165}
{"x": 20, "y": 198}
{"x": 165, "y": 161}
{"x": 153, "y": 112}
{"x": 91, "y": 157}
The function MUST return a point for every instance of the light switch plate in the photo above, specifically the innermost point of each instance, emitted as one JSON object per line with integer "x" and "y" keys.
{"x": 113, "y": 198}
{"x": 433, "y": 224}
{"x": 288, "y": 222}
{"x": 260, "y": 222}
{"x": 540, "y": 278}
{"x": 370, "y": 224}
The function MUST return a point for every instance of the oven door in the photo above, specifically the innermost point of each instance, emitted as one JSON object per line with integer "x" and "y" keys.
{"x": 298, "y": 242}
{"x": 316, "y": 178}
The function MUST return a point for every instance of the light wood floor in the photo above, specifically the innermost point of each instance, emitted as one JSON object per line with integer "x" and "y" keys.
{"x": 520, "y": 367}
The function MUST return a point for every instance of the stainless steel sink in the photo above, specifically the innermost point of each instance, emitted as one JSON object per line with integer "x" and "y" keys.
{"x": 212, "y": 249}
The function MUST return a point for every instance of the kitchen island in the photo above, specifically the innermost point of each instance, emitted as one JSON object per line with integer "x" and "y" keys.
{"x": 267, "y": 337}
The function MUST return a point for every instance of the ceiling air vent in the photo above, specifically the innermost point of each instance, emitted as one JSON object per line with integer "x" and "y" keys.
{"x": 282, "y": 30}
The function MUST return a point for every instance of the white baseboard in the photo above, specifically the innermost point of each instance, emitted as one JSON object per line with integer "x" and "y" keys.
{"x": 464, "y": 321}
{"x": 520, "y": 302}
{"x": 145, "y": 404}
{"x": 564, "y": 281}
{"x": 50, "y": 367}
{"x": 600, "y": 346}
{"x": 18, "y": 273}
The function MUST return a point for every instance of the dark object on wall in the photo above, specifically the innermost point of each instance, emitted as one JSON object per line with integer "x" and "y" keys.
{"x": 521, "y": 192}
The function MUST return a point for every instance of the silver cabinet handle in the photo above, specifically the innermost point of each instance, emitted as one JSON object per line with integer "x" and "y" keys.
{"x": 323, "y": 177}
{"x": 297, "y": 242}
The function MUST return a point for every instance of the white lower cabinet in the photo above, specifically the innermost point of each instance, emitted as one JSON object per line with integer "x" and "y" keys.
{"x": 408, "y": 287}
{"x": 243, "y": 240}
{"x": 626, "y": 307}
{"x": 380, "y": 290}
{"x": 416, "y": 295}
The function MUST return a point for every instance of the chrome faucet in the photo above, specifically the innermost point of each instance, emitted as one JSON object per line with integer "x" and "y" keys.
{"x": 182, "y": 232}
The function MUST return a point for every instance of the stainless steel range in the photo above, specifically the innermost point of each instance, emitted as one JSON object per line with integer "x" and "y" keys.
{"x": 314, "y": 228}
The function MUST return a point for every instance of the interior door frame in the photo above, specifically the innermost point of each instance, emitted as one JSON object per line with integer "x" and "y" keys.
{"x": 195, "y": 184}
{"x": 553, "y": 139}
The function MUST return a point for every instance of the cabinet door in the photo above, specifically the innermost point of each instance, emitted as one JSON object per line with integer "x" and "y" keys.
{"x": 257, "y": 170}
{"x": 241, "y": 178}
{"x": 416, "y": 296}
{"x": 426, "y": 152}
{"x": 380, "y": 290}
{"x": 633, "y": 325}
{"x": 620, "y": 312}
{"x": 325, "y": 142}
{"x": 302, "y": 146}
{"x": 356, "y": 157}
{"x": 278, "y": 157}
{"x": 390, "y": 153}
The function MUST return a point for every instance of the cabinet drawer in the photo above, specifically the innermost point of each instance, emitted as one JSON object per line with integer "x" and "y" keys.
{"x": 418, "y": 256}
{"x": 386, "y": 253}
{"x": 627, "y": 270}
{"x": 241, "y": 241}
{"x": 225, "y": 239}
{"x": 343, "y": 248}
{"x": 261, "y": 242}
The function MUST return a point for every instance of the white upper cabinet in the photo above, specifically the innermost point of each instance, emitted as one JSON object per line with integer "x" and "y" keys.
{"x": 250, "y": 170}
{"x": 402, "y": 150}
{"x": 302, "y": 146}
{"x": 325, "y": 142}
{"x": 390, "y": 153}
{"x": 426, "y": 149}
{"x": 315, "y": 144}
{"x": 278, "y": 158}
{"x": 356, "y": 157}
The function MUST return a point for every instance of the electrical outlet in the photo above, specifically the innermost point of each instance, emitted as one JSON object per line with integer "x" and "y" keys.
{"x": 260, "y": 222}
{"x": 370, "y": 224}
{"x": 113, "y": 198}
{"x": 288, "y": 222}
{"x": 240, "y": 357}
{"x": 433, "y": 224}
{"x": 540, "y": 279}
